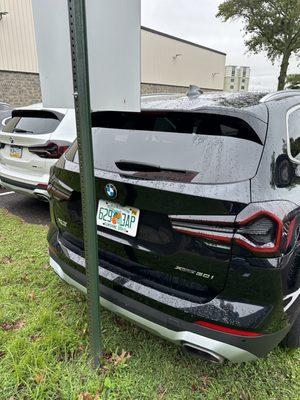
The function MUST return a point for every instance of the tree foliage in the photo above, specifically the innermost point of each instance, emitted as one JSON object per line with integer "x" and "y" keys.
{"x": 270, "y": 25}
{"x": 293, "y": 81}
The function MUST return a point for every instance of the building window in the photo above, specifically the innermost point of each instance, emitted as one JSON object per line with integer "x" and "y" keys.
{"x": 244, "y": 72}
{"x": 232, "y": 80}
{"x": 243, "y": 80}
{"x": 231, "y": 87}
{"x": 243, "y": 87}
{"x": 233, "y": 72}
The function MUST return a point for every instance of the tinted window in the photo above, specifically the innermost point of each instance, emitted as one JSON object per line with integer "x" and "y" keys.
{"x": 181, "y": 146}
{"x": 294, "y": 134}
{"x": 174, "y": 157}
{"x": 177, "y": 122}
{"x": 31, "y": 125}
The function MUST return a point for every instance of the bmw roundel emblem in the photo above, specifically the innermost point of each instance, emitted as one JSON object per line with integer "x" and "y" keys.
{"x": 111, "y": 191}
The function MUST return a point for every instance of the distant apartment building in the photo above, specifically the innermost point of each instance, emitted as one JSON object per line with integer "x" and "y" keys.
{"x": 237, "y": 79}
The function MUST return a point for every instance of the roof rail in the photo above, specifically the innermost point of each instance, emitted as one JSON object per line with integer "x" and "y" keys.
{"x": 280, "y": 95}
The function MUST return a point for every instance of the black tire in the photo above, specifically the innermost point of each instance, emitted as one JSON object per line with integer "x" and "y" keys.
{"x": 292, "y": 339}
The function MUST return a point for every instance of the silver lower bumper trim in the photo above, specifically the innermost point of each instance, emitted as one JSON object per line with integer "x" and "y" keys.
{"x": 34, "y": 193}
{"x": 227, "y": 351}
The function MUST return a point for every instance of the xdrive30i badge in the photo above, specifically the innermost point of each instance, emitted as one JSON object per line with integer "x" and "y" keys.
{"x": 111, "y": 191}
{"x": 193, "y": 272}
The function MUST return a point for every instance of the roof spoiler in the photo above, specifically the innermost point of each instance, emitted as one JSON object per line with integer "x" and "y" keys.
{"x": 37, "y": 114}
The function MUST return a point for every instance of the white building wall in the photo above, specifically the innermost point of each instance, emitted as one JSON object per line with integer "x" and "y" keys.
{"x": 17, "y": 38}
{"x": 237, "y": 79}
{"x": 244, "y": 79}
{"x": 231, "y": 79}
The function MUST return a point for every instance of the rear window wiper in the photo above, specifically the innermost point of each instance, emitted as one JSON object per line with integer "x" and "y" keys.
{"x": 17, "y": 130}
{"x": 137, "y": 170}
{"x": 143, "y": 167}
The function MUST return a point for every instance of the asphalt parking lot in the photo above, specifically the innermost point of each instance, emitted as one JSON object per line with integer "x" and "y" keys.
{"x": 30, "y": 210}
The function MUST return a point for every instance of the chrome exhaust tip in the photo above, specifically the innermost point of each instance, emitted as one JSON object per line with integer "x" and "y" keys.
{"x": 202, "y": 353}
{"x": 43, "y": 198}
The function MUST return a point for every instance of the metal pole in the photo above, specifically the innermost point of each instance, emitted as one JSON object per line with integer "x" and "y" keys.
{"x": 79, "y": 50}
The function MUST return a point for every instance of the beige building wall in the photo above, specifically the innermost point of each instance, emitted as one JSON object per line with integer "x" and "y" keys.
{"x": 17, "y": 38}
{"x": 168, "y": 64}
{"x": 169, "y": 61}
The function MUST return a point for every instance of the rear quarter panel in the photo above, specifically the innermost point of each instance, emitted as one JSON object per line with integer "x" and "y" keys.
{"x": 263, "y": 185}
{"x": 66, "y": 131}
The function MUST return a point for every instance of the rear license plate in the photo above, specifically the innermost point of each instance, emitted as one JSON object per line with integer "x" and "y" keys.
{"x": 16, "y": 151}
{"x": 118, "y": 218}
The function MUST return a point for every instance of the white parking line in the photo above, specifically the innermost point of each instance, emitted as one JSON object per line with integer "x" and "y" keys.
{"x": 6, "y": 193}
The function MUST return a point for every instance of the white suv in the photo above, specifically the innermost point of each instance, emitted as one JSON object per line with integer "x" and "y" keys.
{"x": 31, "y": 141}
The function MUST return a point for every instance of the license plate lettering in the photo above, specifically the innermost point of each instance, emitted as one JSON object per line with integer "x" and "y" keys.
{"x": 118, "y": 218}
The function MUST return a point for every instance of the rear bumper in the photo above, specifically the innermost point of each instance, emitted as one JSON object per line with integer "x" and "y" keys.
{"x": 31, "y": 189}
{"x": 220, "y": 346}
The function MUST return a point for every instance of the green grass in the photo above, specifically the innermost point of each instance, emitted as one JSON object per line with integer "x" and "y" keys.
{"x": 43, "y": 343}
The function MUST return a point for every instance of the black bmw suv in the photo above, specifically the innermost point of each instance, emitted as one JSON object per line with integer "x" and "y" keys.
{"x": 198, "y": 216}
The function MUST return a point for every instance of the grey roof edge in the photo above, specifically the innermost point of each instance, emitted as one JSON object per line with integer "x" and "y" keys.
{"x": 280, "y": 95}
{"x": 253, "y": 111}
{"x": 145, "y": 28}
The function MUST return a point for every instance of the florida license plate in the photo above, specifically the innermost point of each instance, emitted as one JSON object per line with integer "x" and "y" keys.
{"x": 16, "y": 151}
{"x": 118, "y": 218}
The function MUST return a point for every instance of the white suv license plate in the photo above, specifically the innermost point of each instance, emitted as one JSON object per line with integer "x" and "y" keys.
{"x": 118, "y": 218}
{"x": 16, "y": 152}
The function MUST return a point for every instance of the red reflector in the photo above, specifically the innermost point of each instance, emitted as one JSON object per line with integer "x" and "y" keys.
{"x": 42, "y": 186}
{"x": 224, "y": 329}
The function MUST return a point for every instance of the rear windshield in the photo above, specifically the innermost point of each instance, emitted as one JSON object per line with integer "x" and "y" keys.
{"x": 181, "y": 147}
{"x": 177, "y": 122}
{"x": 32, "y": 125}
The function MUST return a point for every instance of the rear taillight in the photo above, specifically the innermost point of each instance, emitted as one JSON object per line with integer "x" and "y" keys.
{"x": 53, "y": 149}
{"x": 59, "y": 190}
{"x": 291, "y": 233}
{"x": 42, "y": 186}
{"x": 260, "y": 229}
{"x": 260, "y": 233}
{"x": 213, "y": 231}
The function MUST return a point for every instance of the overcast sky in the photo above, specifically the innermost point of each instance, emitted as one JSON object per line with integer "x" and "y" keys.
{"x": 195, "y": 20}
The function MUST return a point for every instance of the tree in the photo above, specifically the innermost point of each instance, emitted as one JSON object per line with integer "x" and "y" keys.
{"x": 270, "y": 25}
{"x": 293, "y": 81}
